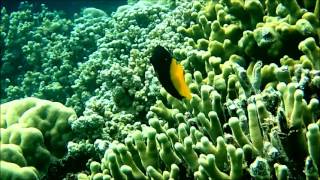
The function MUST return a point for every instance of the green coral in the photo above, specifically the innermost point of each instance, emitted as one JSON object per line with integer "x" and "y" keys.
{"x": 14, "y": 171}
{"x": 239, "y": 123}
{"x": 33, "y": 133}
{"x": 42, "y": 62}
{"x": 252, "y": 68}
{"x": 29, "y": 149}
{"x": 117, "y": 78}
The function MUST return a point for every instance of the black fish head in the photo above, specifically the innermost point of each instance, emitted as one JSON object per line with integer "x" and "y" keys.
{"x": 161, "y": 60}
{"x": 160, "y": 56}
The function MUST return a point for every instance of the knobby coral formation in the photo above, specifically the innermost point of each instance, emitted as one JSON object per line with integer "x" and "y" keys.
{"x": 253, "y": 68}
{"x": 33, "y": 132}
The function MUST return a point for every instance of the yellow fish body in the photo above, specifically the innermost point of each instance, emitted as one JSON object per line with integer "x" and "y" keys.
{"x": 170, "y": 73}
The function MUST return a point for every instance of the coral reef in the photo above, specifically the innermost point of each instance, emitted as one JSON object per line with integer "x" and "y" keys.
{"x": 253, "y": 104}
{"x": 252, "y": 67}
{"x": 33, "y": 133}
{"x": 41, "y": 51}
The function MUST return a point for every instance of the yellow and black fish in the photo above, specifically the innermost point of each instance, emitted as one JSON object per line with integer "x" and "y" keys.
{"x": 170, "y": 73}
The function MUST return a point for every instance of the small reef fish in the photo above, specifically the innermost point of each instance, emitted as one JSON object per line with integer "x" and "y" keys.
{"x": 170, "y": 73}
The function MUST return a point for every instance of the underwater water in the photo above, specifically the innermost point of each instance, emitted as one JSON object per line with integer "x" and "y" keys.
{"x": 160, "y": 89}
{"x": 68, "y": 7}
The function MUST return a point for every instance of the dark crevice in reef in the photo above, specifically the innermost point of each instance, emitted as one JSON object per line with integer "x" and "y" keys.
{"x": 62, "y": 169}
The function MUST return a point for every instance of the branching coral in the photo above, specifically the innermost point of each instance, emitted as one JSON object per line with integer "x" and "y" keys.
{"x": 117, "y": 76}
{"x": 41, "y": 51}
{"x": 239, "y": 123}
{"x": 253, "y": 70}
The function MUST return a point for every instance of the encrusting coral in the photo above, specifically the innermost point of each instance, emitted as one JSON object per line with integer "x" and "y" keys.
{"x": 252, "y": 67}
